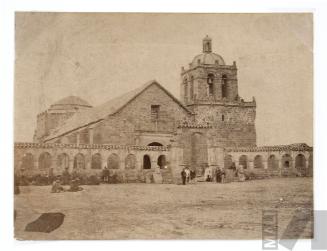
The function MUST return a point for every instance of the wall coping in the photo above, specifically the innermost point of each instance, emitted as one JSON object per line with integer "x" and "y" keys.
{"x": 89, "y": 146}
{"x": 277, "y": 148}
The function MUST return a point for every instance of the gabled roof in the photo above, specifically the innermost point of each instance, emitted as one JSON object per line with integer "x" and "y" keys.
{"x": 96, "y": 114}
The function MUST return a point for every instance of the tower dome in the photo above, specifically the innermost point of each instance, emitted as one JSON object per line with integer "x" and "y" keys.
{"x": 70, "y": 102}
{"x": 207, "y": 57}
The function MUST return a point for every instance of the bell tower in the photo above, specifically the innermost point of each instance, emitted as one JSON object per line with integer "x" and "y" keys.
{"x": 208, "y": 78}
{"x": 209, "y": 88}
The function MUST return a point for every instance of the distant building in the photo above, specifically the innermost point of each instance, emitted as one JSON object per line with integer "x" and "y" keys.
{"x": 211, "y": 125}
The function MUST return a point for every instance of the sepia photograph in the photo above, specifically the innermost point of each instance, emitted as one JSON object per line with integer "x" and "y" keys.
{"x": 163, "y": 126}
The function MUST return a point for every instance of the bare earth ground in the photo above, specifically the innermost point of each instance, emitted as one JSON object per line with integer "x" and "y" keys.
{"x": 165, "y": 211}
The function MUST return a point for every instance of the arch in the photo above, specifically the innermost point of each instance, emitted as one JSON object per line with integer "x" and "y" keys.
{"x": 272, "y": 162}
{"x": 286, "y": 161}
{"x": 258, "y": 162}
{"x": 224, "y": 86}
{"x": 79, "y": 161}
{"x": 130, "y": 161}
{"x": 146, "y": 162}
{"x": 210, "y": 82}
{"x": 63, "y": 161}
{"x": 243, "y": 160}
{"x": 96, "y": 162}
{"x": 27, "y": 161}
{"x": 228, "y": 161}
{"x": 45, "y": 160}
{"x": 192, "y": 88}
{"x": 310, "y": 165}
{"x": 113, "y": 161}
{"x": 162, "y": 161}
{"x": 300, "y": 161}
{"x": 155, "y": 144}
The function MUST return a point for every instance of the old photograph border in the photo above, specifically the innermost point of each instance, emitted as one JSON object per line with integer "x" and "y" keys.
{"x": 320, "y": 142}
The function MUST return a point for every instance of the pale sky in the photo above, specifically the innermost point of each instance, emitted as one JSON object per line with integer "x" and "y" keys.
{"x": 100, "y": 56}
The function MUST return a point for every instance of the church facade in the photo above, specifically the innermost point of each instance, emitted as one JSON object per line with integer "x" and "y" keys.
{"x": 209, "y": 126}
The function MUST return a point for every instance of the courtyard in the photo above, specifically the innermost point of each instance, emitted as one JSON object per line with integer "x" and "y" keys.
{"x": 165, "y": 211}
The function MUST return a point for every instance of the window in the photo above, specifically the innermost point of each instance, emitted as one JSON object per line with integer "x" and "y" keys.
{"x": 222, "y": 117}
{"x": 224, "y": 86}
{"x": 155, "y": 109}
{"x": 210, "y": 84}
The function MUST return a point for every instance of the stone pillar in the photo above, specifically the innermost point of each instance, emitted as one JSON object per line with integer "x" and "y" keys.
{"x": 154, "y": 163}
{"x": 250, "y": 164}
{"x": 265, "y": 164}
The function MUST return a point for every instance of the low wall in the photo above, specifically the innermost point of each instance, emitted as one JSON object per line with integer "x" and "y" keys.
{"x": 127, "y": 162}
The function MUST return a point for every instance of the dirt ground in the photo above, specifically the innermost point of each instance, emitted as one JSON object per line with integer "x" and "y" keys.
{"x": 166, "y": 211}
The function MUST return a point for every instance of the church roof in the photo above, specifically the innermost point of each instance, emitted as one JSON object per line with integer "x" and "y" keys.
{"x": 72, "y": 100}
{"x": 96, "y": 114}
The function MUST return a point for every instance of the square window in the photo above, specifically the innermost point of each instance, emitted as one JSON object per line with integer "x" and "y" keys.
{"x": 155, "y": 109}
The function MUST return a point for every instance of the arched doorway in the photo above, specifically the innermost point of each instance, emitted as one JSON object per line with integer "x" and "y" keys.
{"x": 130, "y": 161}
{"x": 27, "y": 161}
{"x": 199, "y": 152}
{"x": 113, "y": 161}
{"x": 300, "y": 163}
{"x": 161, "y": 161}
{"x": 258, "y": 162}
{"x": 79, "y": 161}
{"x": 228, "y": 161}
{"x": 243, "y": 160}
{"x": 63, "y": 161}
{"x": 96, "y": 162}
{"x": 45, "y": 161}
{"x": 272, "y": 162}
{"x": 155, "y": 144}
{"x": 286, "y": 161}
{"x": 146, "y": 162}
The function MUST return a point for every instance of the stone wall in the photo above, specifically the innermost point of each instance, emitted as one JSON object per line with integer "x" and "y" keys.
{"x": 288, "y": 160}
{"x": 232, "y": 125}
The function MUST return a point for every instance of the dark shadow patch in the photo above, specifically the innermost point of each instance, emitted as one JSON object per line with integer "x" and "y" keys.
{"x": 46, "y": 223}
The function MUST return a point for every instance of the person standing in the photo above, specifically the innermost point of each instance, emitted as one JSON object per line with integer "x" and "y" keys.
{"x": 218, "y": 175}
{"x": 183, "y": 174}
{"x": 105, "y": 175}
{"x": 240, "y": 173}
{"x": 188, "y": 174}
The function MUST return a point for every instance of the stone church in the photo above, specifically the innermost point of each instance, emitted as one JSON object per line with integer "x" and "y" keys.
{"x": 209, "y": 126}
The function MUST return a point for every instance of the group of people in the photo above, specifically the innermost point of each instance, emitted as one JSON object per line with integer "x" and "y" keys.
{"x": 220, "y": 175}
{"x": 187, "y": 175}
{"x": 73, "y": 186}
